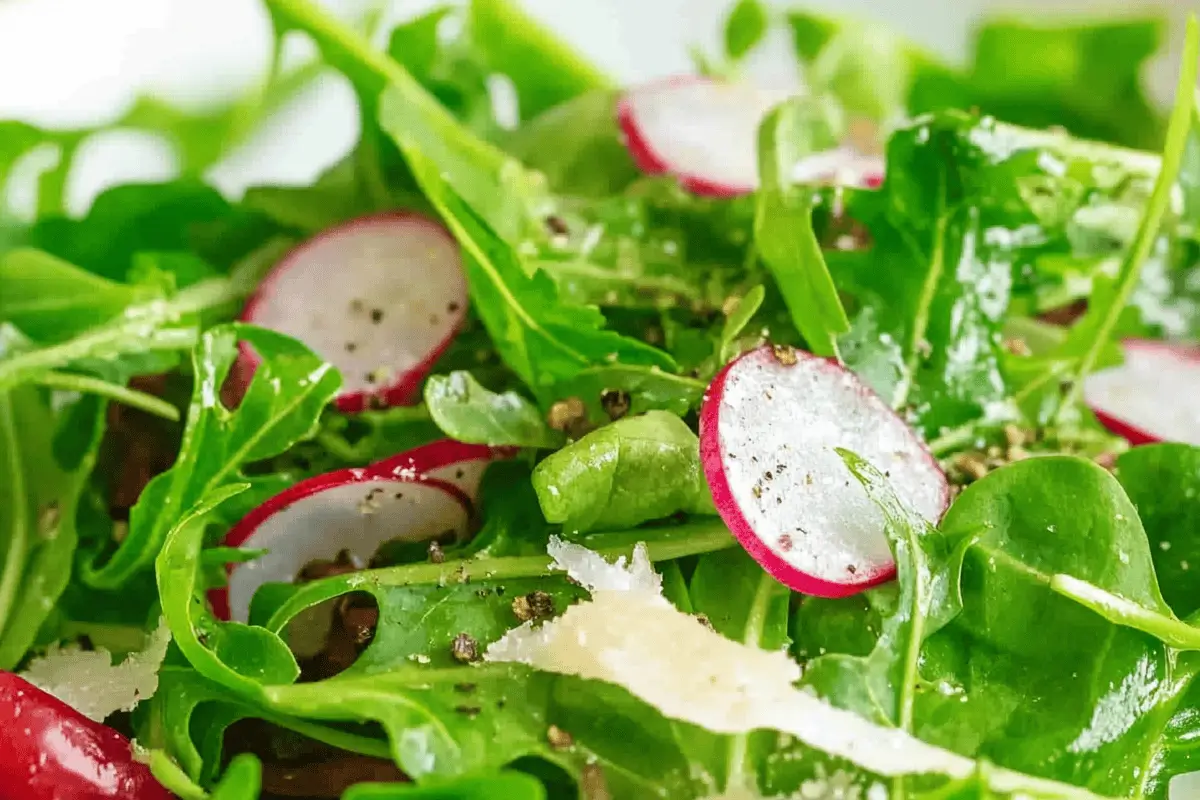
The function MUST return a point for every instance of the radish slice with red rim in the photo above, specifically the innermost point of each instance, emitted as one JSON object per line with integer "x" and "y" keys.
{"x": 768, "y": 428}
{"x": 356, "y": 510}
{"x": 702, "y": 131}
{"x": 379, "y": 297}
{"x": 457, "y": 463}
{"x": 1153, "y": 396}
{"x": 841, "y": 166}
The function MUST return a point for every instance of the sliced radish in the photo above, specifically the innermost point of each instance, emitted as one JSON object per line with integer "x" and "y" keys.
{"x": 768, "y": 428}
{"x": 459, "y": 464}
{"x": 351, "y": 509}
{"x": 702, "y": 131}
{"x": 841, "y": 166}
{"x": 379, "y": 297}
{"x": 1153, "y": 396}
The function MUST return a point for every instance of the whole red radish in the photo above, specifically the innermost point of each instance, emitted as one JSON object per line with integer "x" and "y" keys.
{"x": 49, "y": 751}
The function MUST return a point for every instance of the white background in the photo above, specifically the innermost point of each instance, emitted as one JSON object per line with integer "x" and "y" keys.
{"x": 67, "y": 63}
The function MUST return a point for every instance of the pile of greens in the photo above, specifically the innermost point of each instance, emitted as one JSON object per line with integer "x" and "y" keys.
{"x": 1012, "y": 190}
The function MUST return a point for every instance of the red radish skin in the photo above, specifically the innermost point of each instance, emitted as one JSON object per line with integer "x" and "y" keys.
{"x": 379, "y": 297}
{"x": 1154, "y": 396}
{"x": 663, "y": 140}
{"x": 457, "y": 463}
{"x": 52, "y": 752}
{"x": 354, "y": 509}
{"x": 768, "y": 428}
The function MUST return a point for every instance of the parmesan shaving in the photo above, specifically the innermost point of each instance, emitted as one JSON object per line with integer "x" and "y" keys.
{"x": 630, "y": 635}
{"x": 89, "y": 681}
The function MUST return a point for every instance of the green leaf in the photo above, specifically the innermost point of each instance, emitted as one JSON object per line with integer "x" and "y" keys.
{"x": 290, "y": 388}
{"x": 540, "y": 339}
{"x": 41, "y": 484}
{"x": 649, "y": 389}
{"x": 1163, "y": 483}
{"x": 543, "y": 69}
{"x": 634, "y": 470}
{"x": 737, "y": 320}
{"x": 466, "y": 411}
{"x": 51, "y": 300}
{"x": 745, "y": 27}
{"x": 498, "y": 786}
{"x": 783, "y": 231}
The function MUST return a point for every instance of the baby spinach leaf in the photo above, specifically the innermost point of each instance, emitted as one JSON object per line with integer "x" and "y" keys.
{"x": 282, "y": 404}
{"x": 40, "y": 493}
{"x": 783, "y": 231}
{"x": 1163, "y": 483}
{"x": 466, "y": 411}
{"x": 634, "y": 470}
{"x": 989, "y": 677}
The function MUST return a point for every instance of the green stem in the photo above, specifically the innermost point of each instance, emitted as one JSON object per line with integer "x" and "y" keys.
{"x": 18, "y": 534}
{"x": 84, "y": 384}
{"x": 1131, "y": 268}
{"x": 1116, "y": 609}
{"x": 692, "y": 538}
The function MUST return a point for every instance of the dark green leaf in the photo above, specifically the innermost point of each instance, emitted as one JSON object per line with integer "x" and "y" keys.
{"x": 634, "y": 470}
{"x": 744, "y": 28}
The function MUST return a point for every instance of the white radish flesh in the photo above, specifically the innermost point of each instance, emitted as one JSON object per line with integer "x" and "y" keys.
{"x": 459, "y": 464}
{"x": 702, "y": 131}
{"x": 356, "y": 510}
{"x": 1154, "y": 396}
{"x": 768, "y": 428}
{"x": 380, "y": 298}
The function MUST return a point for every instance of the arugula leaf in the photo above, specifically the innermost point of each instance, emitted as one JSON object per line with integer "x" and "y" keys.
{"x": 466, "y": 411}
{"x": 634, "y": 470}
{"x": 288, "y": 392}
{"x": 542, "y": 340}
{"x": 783, "y": 231}
{"x": 649, "y": 388}
{"x": 46, "y": 456}
{"x": 737, "y": 320}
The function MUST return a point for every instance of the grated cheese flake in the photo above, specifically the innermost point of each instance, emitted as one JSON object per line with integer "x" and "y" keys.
{"x": 708, "y": 680}
{"x": 89, "y": 681}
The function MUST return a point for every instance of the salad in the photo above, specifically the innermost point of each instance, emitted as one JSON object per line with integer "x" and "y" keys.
{"x": 697, "y": 439}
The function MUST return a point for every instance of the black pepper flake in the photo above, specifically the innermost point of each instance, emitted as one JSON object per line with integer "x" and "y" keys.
{"x": 436, "y": 555}
{"x": 459, "y": 474}
{"x": 451, "y": 307}
{"x": 469, "y": 711}
{"x": 556, "y": 225}
{"x": 464, "y": 648}
{"x": 351, "y": 347}
{"x": 399, "y": 495}
{"x": 377, "y": 315}
{"x": 465, "y": 688}
{"x": 615, "y": 403}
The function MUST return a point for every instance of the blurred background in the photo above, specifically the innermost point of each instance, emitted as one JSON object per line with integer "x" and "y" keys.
{"x": 73, "y": 64}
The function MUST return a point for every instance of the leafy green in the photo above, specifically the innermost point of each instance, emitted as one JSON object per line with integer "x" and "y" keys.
{"x": 46, "y": 456}
{"x": 280, "y": 406}
{"x": 636, "y": 469}
{"x": 783, "y": 231}
{"x": 499, "y": 786}
{"x": 466, "y": 411}
{"x": 745, "y": 27}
